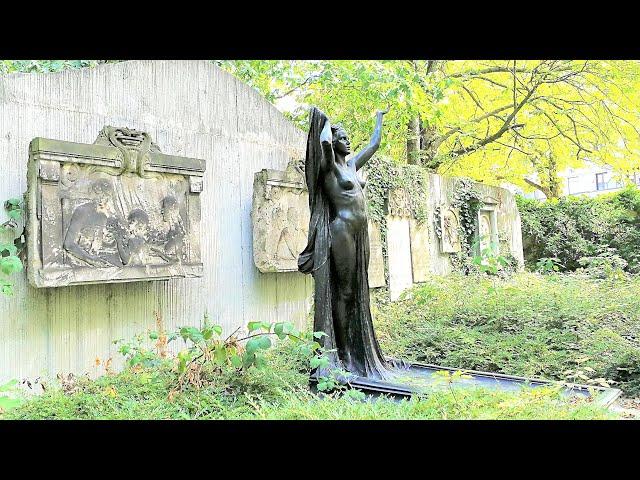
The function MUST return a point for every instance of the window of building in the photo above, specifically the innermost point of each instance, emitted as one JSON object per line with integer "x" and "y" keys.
{"x": 605, "y": 182}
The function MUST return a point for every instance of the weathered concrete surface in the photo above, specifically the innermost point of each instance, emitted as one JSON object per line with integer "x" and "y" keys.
{"x": 376, "y": 258}
{"x": 191, "y": 109}
{"x": 420, "y": 253}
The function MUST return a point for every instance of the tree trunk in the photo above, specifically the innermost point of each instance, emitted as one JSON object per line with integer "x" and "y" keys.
{"x": 547, "y": 169}
{"x": 430, "y": 141}
{"x": 413, "y": 141}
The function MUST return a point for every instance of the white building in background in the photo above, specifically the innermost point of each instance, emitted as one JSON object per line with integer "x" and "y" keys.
{"x": 591, "y": 180}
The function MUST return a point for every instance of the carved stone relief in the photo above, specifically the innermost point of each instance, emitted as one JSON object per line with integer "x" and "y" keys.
{"x": 488, "y": 223}
{"x": 118, "y": 210}
{"x": 450, "y": 228}
{"x": 280, "y": 218}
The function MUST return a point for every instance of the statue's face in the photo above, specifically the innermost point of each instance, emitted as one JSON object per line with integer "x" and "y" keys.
{"x": 341, "y": 143}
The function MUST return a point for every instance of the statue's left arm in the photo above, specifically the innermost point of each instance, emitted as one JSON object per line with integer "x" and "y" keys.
{"x": 366, "y": 153}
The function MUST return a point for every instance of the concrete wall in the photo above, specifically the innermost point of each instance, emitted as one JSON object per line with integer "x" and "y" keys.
{"x": 192, "y": 109}
{"x": 425, "y": 257}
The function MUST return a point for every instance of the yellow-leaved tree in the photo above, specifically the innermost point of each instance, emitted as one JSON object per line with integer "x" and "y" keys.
{"x": 495, "y": 121}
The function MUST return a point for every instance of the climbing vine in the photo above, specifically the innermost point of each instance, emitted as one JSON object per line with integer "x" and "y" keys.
{"x": 383, "y": 176}
{"x": 468, "y": 201}
{"x": 9, "y": 251}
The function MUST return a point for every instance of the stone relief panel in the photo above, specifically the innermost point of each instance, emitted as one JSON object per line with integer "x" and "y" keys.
{"x": 450, "y": 228}
{"x": 117, "y": 210}
{"x": 280, "y": 217}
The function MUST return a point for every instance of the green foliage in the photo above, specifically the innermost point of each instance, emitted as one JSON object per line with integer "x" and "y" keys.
{"x": 601, "y": 234}
{"x": 46, "y": 66}
{"x": 525, "y": 324}
{"x": 489, "y": 261}
{"x": 383, "y": 176}
{"x": 10, "y": 262}
{"x": 8, "y": 398}
{"x": 468, "y": 200}
{"x": 278, "y": 392}
{"x": 495, "y": 121}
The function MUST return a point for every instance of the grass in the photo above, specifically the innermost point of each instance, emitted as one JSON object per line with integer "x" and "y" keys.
{"x": 562, "y": 327}
{"x": 527, "y": 324}
{"x": 280, "y": 391}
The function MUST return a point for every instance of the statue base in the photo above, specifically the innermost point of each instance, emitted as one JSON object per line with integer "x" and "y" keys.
{"x": 417, "y": 378}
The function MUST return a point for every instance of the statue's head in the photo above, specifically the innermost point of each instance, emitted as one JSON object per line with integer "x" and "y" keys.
{"x": 340, "y": 142}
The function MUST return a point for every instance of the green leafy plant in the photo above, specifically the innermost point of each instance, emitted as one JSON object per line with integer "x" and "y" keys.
{"x": 548, "y": 265}
{"x": 578, "y": 232}
{"x": 489, "y": 260}
{"x": 8, "y": 400}
{"x": 10, "y": 262}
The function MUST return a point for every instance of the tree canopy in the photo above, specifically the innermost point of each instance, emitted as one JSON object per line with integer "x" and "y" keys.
{"x": 517, "y": 121}
{"x": 496, "y": 121}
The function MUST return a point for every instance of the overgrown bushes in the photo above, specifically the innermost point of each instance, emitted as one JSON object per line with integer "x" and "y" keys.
{"x": 570, "y": 327}
{"x": 577, "y": 232}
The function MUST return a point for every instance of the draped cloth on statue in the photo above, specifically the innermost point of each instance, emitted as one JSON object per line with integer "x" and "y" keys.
{"x": 362, "y": 346}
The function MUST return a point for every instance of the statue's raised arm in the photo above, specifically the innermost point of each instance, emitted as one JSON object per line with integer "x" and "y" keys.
{"x": 326, "y": 141}
{"x": 361, "y": 158}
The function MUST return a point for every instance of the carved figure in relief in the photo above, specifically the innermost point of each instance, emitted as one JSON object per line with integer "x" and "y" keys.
{"x": 90, "y": 237}
{"x": 292, "y": 238}
{"x": 132, "y": 243}
{"x": 173, "y": 233}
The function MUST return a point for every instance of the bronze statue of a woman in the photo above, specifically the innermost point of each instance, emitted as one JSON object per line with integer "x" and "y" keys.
{"x": 337, "y": 252}
{"x": 337, "y": 255}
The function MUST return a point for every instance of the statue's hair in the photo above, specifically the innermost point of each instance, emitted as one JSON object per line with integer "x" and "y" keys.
{"x": 334, "y": 130}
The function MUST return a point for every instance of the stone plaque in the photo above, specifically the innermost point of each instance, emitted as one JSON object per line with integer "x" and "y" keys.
{"x": 117, "y": 210}
{"x": 450, "y": 228}
{"x": 399, "y": 253}
{"x": 420, "y": 254}
{"x": 280, "y": 217}
{"x": 376, "y": 259}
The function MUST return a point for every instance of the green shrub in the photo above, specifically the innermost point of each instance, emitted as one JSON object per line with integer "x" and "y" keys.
{"x": 575, "y": 230}
{"x": 528, "y": 324}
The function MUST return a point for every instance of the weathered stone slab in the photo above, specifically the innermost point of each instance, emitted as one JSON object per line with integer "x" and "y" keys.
{"x": 117, "y": 210}
{"x": 280, "y": 216}
{"x": 488, "y": 223}
{"x": 399, "y": 254}
{"x": 376, "y": 258}
{"x": 450, "y": 230}
{"x": 420, "y": 252}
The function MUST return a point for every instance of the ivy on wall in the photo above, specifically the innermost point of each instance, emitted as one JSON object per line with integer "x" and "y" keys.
{"x": 10, "y": 262}
{"x": 383, "y": 176}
